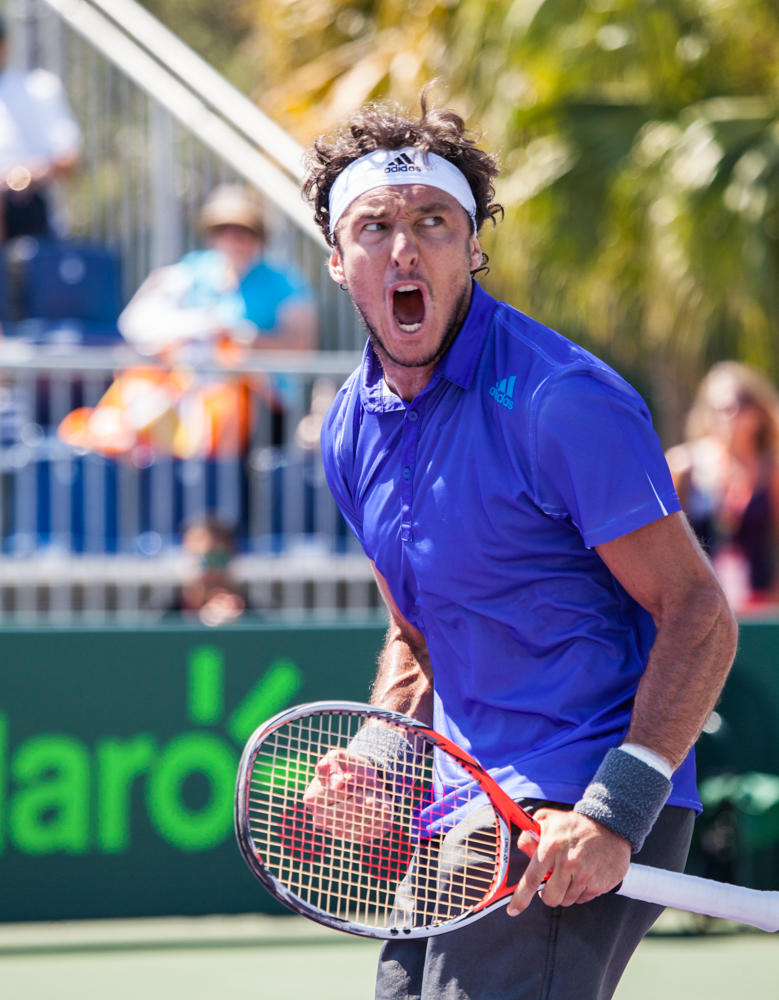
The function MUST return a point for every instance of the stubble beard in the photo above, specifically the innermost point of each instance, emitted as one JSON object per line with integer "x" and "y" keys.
{"x": 452, "y": 327}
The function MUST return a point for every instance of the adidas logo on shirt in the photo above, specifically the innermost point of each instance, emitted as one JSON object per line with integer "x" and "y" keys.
{"x": 402, "y": 164}
{"x": 503, "y": 392}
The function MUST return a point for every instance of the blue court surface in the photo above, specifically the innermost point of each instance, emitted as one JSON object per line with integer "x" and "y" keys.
{"x": 288, "y": 958}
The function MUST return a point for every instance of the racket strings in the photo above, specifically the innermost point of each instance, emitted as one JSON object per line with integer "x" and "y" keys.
{"x": 383, "y": 853}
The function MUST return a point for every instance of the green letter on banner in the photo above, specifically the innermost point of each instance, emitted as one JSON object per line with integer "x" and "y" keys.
{"x": 3, "y": 777}
{"x": 206, "y": 683}
{"x": 272, "y": 692}
{"x": 119, "y": 762}
{"x": 185, "y": 828}
{"x": 50, "y": 812}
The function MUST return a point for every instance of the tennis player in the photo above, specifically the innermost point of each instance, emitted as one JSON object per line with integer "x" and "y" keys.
{"x": 550, "y": 609}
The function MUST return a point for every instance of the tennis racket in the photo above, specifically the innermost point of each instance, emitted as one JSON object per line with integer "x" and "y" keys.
{"x": 406, "y": 842}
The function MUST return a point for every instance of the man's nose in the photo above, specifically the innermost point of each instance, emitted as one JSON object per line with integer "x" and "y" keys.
{"x": 405, "y": 251}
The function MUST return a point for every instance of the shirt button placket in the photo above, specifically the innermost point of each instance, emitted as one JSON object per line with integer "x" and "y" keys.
{"x": 408, "y": 458}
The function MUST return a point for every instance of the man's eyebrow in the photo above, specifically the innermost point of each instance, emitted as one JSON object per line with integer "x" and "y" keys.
{"x": 369, "y": 213}
{"x": 433, "y": 206}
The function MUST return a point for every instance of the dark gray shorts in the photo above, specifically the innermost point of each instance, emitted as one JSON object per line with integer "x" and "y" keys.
{"x": 543, "y": 954}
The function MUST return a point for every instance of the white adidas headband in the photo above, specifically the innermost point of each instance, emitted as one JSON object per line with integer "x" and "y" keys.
{"x": 398, "y": 166}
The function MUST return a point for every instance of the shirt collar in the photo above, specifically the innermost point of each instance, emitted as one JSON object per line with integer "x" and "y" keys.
{"x": 458, "y": 365}
{"x": 460, "y": 361}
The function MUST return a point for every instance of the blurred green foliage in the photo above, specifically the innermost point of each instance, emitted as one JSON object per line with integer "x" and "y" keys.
{"x": 222, "y": 32}
{"x": 640, "y": 141}
{"x": 652, "y": 236}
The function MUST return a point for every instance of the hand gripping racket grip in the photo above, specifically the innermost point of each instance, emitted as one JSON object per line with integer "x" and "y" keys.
{"x": 702, "y": 895}
{"x": 650, "y": 885}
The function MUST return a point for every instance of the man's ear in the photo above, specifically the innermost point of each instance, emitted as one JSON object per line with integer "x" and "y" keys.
{"x": 335, "y": 267}
{"x": 476, "y": 253}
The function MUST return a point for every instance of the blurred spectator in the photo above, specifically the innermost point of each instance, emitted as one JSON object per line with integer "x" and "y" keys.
{"x": 210, "y": 591}
{"x": 307, "y": 435}
{"x": 207, "y": 311}
{"x": 310, "y": 427}
{"x": 727, "y": 478}
{"x": 226, "y": 292}
{"x": 39, "y": 142}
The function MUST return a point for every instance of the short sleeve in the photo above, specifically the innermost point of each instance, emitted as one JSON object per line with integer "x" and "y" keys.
{"x": 598, "y": 462}
{"x": 337, "y": 456}
{"x": 61, "y": 131}
{"x": 267, "y": 292}
{"x": 297, "y": 291}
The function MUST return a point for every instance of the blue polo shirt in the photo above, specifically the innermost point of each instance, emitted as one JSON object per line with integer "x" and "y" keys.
{"x": 480, "y": 502}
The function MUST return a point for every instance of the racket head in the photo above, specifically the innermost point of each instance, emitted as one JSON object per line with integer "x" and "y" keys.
{"x": 408, "y": 882}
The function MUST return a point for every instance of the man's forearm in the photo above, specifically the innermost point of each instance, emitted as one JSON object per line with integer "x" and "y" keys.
{"x": 687, "y": 668}
{"x": 404, "y": 681}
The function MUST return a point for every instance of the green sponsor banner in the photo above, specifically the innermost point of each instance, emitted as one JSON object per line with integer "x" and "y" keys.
{"x": 119, "y": 747}
{"x": 745, "y": 737}
{"x": 737, "y": 837}
{"x": 118, "y": 756}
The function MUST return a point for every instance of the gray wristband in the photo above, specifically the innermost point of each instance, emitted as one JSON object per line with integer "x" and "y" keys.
{"x": 388, "y": 751}
{"x": 626, "y": 795}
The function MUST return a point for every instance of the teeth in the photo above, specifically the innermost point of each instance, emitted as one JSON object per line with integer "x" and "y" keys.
{"x": 409, "y": 327}
{"x": 407, "y": 288}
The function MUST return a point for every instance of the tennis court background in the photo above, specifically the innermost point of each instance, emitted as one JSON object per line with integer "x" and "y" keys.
{"x": 118, "y": 755}
{"x": 99, "y": 686}
{"x": 281, "y": 958}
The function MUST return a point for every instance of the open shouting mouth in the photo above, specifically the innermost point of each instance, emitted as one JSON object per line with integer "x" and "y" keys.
{"x": 408, "y": 307}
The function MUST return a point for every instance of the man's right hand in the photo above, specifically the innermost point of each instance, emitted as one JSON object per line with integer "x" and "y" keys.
{"x": 584, "y": 858}
{"x": 348, "y": 799}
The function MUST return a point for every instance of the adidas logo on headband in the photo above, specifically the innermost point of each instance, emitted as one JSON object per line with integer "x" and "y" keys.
{"x": 401, "y": 164}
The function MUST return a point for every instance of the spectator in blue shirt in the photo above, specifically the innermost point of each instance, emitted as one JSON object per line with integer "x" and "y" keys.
{"x": 228, "y": 290}
{"x": 550, "y": 609}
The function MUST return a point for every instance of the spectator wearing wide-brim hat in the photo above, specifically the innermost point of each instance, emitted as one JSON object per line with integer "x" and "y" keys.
{"x": 233, "y": 205}
{"x": 229, "y": 288}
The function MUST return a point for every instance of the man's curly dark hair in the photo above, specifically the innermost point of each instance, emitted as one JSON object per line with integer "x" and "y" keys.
{"x": 381, "y": 126}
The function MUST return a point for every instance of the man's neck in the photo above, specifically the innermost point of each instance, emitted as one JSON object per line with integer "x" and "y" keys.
{"x": 405, "y": 382}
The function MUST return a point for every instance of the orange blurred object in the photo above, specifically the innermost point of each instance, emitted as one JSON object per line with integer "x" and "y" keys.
{"x": 165, "y": 412}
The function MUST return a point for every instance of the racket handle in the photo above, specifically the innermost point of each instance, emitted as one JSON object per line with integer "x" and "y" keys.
{"x": 702, "y": 895}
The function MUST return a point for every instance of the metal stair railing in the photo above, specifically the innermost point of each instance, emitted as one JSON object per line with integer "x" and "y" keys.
{"x": 21, "y": 356}
{"x": 206, "y": 82}
{"x": 63, "y": 500}
{"x": 190, "y": 106}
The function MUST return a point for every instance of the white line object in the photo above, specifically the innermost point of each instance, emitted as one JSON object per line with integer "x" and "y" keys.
{"x": 757, "y": 907}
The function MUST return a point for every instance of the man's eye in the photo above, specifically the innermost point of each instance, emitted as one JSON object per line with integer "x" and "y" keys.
{"x": 432, "y": 220}
{"x": 375, "y": 227}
